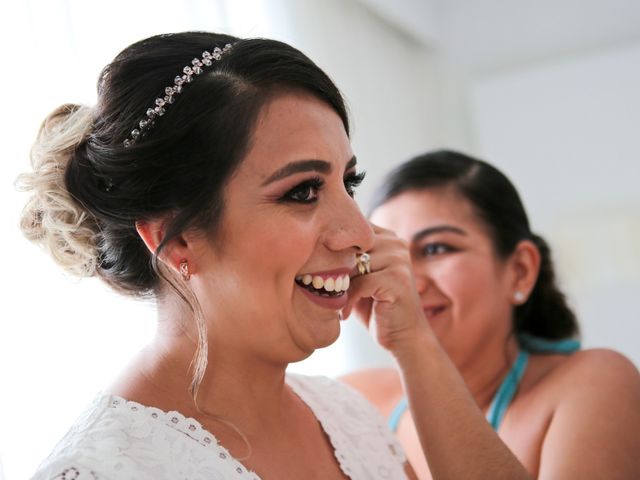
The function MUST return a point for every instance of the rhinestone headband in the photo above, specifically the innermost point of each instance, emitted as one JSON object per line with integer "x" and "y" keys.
{"x": 161, "y": 103}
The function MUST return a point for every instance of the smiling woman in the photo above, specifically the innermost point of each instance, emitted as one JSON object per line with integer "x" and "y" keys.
{"x": 308, "y": 225}
{"x": 214, "y": 174}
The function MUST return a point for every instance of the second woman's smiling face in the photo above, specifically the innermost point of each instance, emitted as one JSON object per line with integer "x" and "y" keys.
{"x": 289, "y": 218}
{"x": 464, "y": 288}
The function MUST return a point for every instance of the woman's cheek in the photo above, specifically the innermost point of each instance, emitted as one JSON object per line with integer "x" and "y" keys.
{"x": 447, "y": 273}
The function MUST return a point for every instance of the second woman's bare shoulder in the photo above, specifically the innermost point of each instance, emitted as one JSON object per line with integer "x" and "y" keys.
{"x": 381, "y": 386}
{"x": 594, "y": 397}
{"x": 557, "y": 379}
{"x": 606, "y": 367}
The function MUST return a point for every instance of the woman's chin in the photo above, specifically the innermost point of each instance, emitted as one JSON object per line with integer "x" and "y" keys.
{"x": 320, "y": 337}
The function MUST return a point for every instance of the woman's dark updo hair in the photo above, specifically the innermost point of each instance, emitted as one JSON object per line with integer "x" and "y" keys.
{"x": 495, "y": 200}
{"x": 180, "y": 167}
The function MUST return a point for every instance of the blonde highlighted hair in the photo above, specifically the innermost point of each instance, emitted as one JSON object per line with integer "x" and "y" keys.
{"x": 52, "y": 218}
{"x": 57, "y": 222}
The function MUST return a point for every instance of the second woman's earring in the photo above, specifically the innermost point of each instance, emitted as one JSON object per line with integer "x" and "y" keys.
{"x": 184, "y": 270}
{"x": 519, "y": 297}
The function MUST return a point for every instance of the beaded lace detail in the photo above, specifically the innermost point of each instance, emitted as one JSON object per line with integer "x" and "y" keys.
{"x": 362, "y": 442}
{"x": 120, "y": 439}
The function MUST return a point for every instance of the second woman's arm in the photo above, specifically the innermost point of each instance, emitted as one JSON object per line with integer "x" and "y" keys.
{"x": 457, "y": 440}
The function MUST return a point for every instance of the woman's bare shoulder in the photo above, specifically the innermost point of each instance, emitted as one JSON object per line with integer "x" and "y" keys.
{"x": 606, "y": 366}
{"x": 548, "y": 369}
{"x": 597, "y": 393}
{"x": 599, "y": 376}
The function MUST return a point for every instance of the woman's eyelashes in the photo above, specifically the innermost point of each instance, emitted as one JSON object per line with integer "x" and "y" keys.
{"x": 434, "y": 249}
{"x": 305, "y": 192}
{"x": 353, "y": 181}
{"x": 308, "y": 191}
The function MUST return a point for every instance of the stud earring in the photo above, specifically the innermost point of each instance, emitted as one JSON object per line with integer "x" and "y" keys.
{"x": 184, "y": 270}
{"x": 519, "y": 297}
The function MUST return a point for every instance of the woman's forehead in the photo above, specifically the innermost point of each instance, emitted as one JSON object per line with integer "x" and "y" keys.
{"x": 418, "y": 209}
{"x": 293, "y": 127}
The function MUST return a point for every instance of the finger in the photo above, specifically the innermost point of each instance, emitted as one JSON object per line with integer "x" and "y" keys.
{"x": 361, "y": 309}
{"x": 369, "y": 287}
{"x": 387, "y": 252}
{"x": 377, "y": 229}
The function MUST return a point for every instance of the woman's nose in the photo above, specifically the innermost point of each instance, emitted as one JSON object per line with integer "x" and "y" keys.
{"x": 421, "y": 279}
{"x": 347, "y": 228}
{"x": 421, "y": 283}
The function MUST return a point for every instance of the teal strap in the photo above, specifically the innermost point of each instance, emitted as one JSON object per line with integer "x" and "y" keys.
{"x": 507, "y": 390}
{"x": 397, "y": 413}
{"x": 543, "y": 345}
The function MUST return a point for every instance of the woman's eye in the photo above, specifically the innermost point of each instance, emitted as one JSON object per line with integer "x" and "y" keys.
{"x": 353, "y": 181}
{"x": 306, "y": 192}
{"x": 432, "y": 249}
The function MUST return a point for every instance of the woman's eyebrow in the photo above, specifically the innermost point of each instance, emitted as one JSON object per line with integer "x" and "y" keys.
{"x": 437, "y": 229}
{"x": 298, "y": 166}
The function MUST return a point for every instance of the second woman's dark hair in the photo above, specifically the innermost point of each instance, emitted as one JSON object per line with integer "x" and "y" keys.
{"x": 496, "y": 201}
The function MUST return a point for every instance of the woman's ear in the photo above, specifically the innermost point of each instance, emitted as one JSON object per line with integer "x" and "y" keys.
{"x": 525, "y": 264}
{"x": 176, "y": 253}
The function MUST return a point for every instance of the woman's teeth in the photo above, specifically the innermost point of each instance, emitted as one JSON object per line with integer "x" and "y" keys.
{"x": 329, "y": 285}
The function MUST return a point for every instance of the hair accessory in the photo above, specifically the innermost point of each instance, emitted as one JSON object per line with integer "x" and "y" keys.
{"x": 519, "y": 297}
{"x": 161, "y": 103}
{"x": 363, "y": 262}
{"x": 184, "y": 270}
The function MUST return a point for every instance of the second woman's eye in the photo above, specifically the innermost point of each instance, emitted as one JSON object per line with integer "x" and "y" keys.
{"x": 435, "y": 248}
{"x": 306, "y": 192}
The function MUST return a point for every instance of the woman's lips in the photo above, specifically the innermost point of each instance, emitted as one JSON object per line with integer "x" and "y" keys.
{"x": 334, "y": 302}
{"x": 327, "y": 289}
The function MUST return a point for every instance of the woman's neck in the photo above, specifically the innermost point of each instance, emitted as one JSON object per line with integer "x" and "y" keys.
{"x": 486, "y": 371}
{"x": 245, "y": 392}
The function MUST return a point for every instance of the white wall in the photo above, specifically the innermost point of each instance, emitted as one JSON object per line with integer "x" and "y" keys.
{"x": 566, "y": 131}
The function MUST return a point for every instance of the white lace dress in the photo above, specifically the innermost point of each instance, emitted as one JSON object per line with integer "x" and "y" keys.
{"x": 116, "y": 439}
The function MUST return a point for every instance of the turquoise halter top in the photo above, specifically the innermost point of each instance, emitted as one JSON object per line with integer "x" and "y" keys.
{"x": 509, "y": 386}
